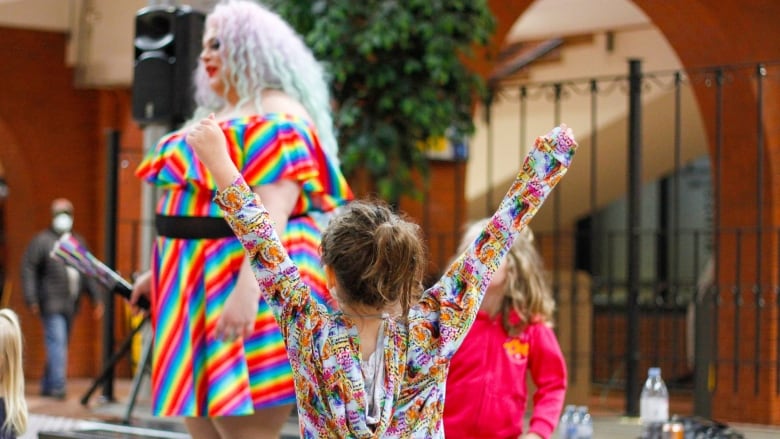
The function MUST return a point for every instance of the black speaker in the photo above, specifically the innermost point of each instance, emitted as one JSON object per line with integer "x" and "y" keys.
{"x": 167, "y": 44}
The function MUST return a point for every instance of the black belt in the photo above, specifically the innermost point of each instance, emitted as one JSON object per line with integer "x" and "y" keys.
{"x": 192, "y": 227}
{"x": 197, "y": 227}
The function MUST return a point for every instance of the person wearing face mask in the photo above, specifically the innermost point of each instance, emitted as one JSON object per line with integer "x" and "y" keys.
{"x": 51, "y": 291}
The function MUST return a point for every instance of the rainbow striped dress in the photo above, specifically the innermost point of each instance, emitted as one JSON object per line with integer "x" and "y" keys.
{"x": 193, "y": 373}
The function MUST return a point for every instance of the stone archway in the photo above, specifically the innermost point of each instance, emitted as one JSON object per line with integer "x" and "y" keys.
{"x": 728, "y": 32}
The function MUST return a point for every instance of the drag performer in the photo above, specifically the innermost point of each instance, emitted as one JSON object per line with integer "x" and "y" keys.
{"x": 218, "y": 356}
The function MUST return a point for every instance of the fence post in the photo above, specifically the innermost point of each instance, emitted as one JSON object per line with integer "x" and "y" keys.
{"x": 112, "y": 169}
{"x": 634, "y": 216}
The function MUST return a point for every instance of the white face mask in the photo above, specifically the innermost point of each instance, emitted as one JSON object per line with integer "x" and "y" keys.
{"x": 62, "y": 222}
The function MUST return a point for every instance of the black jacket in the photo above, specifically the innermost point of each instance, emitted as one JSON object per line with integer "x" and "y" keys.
{"x": 45, "y": 280}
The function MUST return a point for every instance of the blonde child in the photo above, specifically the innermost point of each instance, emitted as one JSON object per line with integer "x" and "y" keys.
{"x": 511, "y": 338}
{"x": 13, "y": 410}
{"x": 377, "y": 367}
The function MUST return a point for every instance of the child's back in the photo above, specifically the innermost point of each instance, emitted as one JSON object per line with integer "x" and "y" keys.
{"x": 413, "y": 351}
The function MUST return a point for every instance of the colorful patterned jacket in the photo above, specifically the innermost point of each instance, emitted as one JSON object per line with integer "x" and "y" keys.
{"x": 324, "y": 348}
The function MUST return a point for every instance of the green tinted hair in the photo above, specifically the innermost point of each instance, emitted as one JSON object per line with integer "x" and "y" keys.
{"x": 262, "y": 51}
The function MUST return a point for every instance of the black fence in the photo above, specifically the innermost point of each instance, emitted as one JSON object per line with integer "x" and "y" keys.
{"x": 637, "y": 222}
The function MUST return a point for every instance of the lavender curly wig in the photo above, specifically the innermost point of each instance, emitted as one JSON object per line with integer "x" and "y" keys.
{"x": 262, "y": 51}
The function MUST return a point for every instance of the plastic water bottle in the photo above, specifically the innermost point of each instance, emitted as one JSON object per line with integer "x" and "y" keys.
{"x": 563, "y": 425}
{"x": 653, "y": 404}
{"x": 585, "y": 427}
{"x": 573, "y": 426}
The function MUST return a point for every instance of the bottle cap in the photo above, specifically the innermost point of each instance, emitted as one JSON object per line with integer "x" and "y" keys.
{"x": 654, "y": 371}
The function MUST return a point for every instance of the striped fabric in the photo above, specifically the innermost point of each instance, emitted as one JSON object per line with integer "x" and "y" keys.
{"x": 193, "y": 374}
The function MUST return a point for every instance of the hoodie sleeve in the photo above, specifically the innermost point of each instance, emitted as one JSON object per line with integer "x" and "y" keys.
{"x": 447, "y": 310}
{"x": 548, "y": 372}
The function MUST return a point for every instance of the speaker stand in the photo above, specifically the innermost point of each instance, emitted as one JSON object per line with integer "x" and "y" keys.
{"x": 140, "y": 372}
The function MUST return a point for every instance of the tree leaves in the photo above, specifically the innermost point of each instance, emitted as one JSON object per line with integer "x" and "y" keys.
{"x": 397, "y": 75}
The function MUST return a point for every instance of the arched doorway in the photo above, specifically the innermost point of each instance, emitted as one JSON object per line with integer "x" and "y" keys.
{"x": 728, "y": 34}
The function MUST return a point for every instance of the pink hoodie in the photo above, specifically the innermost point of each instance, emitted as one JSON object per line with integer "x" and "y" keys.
{"x": 486, "y": 386}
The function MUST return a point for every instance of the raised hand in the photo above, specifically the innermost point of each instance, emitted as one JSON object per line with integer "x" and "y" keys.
{"x": 209, "y": 144}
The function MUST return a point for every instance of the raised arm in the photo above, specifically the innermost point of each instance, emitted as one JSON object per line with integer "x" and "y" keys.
{"x": 452, "y": 303}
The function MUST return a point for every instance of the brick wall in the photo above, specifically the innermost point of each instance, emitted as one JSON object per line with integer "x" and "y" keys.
{"x": 52, "y": 144}
{"x": 727, "y": 32}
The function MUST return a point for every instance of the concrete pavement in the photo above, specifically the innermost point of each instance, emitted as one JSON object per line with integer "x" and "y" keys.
{"x": 51, "y": 415}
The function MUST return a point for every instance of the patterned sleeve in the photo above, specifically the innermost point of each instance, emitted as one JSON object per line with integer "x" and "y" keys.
{"x": 446, "y": 311}
{"x": 287, "y": 295}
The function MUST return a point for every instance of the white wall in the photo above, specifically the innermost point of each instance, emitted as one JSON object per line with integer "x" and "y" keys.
{"x": 583, "y": 61}
{"x": 100, "y": 44}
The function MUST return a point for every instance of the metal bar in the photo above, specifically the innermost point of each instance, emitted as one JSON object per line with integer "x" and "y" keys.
{"x": 558, "y": 88}
{"x": 661, "y": 282}
{"x": 459, "y": 181}
{"x": 757, "y": 288}
{"x": 676, "y": 194}
{"x": 142, "y": 368}
{"x": 719, "y": 79}
{"x": 594, "y": 128}
{"x": 633, "y": 224}
{"x": 574, "y": 313}
{"x": 556, "y": 197}
{"x": 702, "y": 346}
{"x": 591, "y": 232}
{"x": 489, "y": 157}
{"x": 611, "y": 295}
{"x": 777, "y": 302}
{"x": 109, "y": 257}
{"x": 737, "y": 293}
{"x": 523, "y": 121}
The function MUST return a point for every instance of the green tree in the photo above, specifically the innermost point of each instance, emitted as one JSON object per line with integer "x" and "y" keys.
{"x": 398, "y": 77}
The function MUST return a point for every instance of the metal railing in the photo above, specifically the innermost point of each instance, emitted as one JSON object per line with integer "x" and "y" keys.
{"x": 649, "y": 246}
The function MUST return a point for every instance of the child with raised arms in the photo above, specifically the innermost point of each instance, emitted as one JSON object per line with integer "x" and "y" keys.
{"x": 378, "y": 366}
